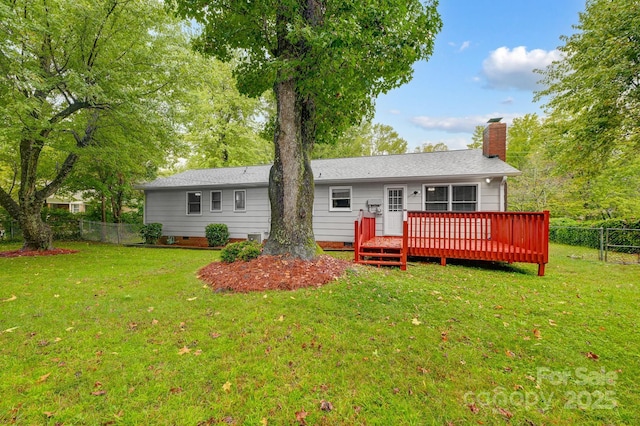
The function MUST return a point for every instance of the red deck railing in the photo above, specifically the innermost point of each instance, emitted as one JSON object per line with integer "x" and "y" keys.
{"x": 496, "y": 236}
{"x": 493, "y": 236}
{"x": 365, "y": 229}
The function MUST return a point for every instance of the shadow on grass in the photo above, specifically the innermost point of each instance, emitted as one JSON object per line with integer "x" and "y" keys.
{"x": 476, "y": 264}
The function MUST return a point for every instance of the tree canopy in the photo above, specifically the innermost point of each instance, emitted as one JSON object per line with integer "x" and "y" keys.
{"x": 326, "y": 61}
{"x": 75, "y": 77}
{"x": 593, "y": 93}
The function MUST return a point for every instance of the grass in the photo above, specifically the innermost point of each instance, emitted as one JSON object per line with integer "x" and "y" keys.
{"x": 119, "y": 335}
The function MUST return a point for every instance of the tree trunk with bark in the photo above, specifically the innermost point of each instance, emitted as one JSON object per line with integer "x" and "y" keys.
{"x": 291, "y": 187}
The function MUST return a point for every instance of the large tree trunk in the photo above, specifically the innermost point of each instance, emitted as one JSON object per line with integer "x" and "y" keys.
{"x": 291, "y": 179}
{"x": 37, "y": 235}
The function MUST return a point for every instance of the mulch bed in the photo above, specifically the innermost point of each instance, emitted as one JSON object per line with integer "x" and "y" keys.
{"x": 272, "y": 273}
{"x": 24, "y": 253}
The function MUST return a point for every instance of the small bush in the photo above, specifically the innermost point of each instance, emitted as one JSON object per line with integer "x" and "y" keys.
{"x": 151, "y": 233}
{"x": 243, "y": 250}
{"x": 217, "y": 234}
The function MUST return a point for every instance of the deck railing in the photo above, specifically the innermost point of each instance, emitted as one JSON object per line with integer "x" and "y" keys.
{"x": 493, "y": 236}
{"x": 498, "y": 236}
{"x": 365, "y": 229}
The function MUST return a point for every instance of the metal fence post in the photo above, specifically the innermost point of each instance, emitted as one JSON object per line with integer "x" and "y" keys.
{"x": 601, "y": 243}
{"x": 606, "y": 246}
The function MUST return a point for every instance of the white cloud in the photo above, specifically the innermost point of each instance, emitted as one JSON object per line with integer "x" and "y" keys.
{"x": 506, "y": 69}
{"x": 394, "y": 111}
{"x": 458, "y": 124}
{"x": 508, "y": 101}
{"x": 465, "y": 45}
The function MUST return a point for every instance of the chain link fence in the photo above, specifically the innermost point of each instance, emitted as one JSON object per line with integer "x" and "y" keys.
{"x": 84, "y": 230}
{"x": 615, "y": 245}
{"x": 114, "y": 233}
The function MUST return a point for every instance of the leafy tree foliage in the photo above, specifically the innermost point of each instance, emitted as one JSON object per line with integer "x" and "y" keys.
{"x": 594, "y": 91}
{"x": 326, "y": 61}
{"x": 224, "y": 128}
{"x": 430, "y": 147}
{"x": 476, "y": 138}
{"x": 363, "y": 140}
{"x": 76, "y": 77}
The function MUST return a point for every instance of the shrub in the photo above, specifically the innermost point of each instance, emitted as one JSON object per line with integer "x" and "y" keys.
{"x": 243, "y": 250}
{"x": 64, "y": 224}
{"x": 151, "y": 233}
{"x": 217, "y": 234}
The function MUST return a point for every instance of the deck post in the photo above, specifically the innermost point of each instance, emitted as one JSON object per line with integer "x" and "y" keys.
{"x": 405, "y": 240}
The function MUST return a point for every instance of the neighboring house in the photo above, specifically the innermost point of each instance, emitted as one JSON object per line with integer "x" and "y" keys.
{"x": 465, "y": 180}
{"x": 73, "y": 203}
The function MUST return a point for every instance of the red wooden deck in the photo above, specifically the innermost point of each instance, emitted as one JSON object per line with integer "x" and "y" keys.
{"x": 493, "y": 236}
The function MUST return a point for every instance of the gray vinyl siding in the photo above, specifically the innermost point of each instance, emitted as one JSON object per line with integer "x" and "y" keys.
{"x": 169, "y": 208}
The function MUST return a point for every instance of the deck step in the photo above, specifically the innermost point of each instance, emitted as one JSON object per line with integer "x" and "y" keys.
{"x": 368, "y": 254}
{"x": 380, "y": 262}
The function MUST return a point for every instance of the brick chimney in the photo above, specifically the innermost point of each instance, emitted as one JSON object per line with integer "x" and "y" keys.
{"x": 494, "y": 139}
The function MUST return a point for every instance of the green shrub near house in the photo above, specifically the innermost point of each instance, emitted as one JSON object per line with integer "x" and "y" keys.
{"x": 217, "y": 234}
{"x": 242, "y": 250}
{"x": 151, "y": 233}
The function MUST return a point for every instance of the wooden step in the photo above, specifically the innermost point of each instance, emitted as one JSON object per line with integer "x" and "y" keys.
{"x": 380, "y": 262}
{"x": 367, "y": 254}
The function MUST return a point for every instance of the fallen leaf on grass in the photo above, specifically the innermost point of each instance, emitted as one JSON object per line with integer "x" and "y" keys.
{"x": 326, "y": 405}
{"x": 99, "y": 392}
{"x": 300, "y": 416}
{"x": 552, "y": 323}
{"x": 505, "y": 413}
{"x": 191, "y": 299}
{"x": 474, "y": 409}
{"x": 175, "y": 390}
{"x": 592, "y": 356}
{"x": 509, "y": 353}
{"x": 415, "y": 321}
{"x": 537, "y": 333}
{"x": 227, "y": 387}
{"x": 43, "y": 378}
{"x": 214, "y": 335}
{"x": 11, "y": 299}
{"x": 10, "y": 330}
{"x": 184, "y": 350}
{"x": 48, "y": 414}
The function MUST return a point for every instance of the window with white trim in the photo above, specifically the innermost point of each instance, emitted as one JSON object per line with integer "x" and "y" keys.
{"x": 340, "y": 198}
{"x": 194, "y": 202}
{"x": 456, "y": 198}
{"x": 239, "y": 200}
{"x": 216, "y": 201}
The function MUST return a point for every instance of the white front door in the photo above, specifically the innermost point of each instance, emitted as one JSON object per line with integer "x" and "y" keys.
{"x": 394, "y": 204}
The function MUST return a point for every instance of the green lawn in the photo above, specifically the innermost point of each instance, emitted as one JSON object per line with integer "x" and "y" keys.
{"x": 121, "y": 335}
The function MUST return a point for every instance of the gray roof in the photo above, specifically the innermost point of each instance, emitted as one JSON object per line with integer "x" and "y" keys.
{"x": 442, "y": 165}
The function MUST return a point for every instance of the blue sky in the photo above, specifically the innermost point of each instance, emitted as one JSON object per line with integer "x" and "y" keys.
{"x": 481, "y": 68}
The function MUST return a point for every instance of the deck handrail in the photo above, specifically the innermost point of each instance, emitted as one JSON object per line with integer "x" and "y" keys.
{"x": 365, "y": 228}
{"x": 521, "y": 236}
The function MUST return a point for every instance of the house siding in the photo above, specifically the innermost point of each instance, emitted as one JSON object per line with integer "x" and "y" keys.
{"x": 169, "y": 208}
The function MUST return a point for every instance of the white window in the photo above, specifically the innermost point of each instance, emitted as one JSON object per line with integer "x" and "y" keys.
{"x": 194, "y": 202}
{"x": 456, "y": 198}
{"x": 216, "y": 201}
{"x": 340, "y": 198}
{"x": 74, "y": 208}
{"x": 240, "y": 200}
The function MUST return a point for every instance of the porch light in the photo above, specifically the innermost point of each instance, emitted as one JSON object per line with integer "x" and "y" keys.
{"x": 488, "y": 180}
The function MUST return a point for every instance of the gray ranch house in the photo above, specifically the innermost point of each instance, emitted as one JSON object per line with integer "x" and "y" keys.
{"x": 386, "y": 185}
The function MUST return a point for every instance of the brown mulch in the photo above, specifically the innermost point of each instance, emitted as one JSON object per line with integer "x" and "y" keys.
{"x": 272, "y": 273}
{"x": 24, "y": 253}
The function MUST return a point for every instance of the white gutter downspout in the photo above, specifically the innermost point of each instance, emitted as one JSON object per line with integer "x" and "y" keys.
{"x": 502, "y": 200}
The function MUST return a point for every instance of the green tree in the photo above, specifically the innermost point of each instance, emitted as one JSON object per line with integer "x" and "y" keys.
{"x": 594, "y": 91}
{"x": 72, "y": 75}
{"x": 430, "y": 147}
{"x": 224, "y": 128}
{"x": 326, "y": 61}
{"x": 476, "y": 138}
{"x": 363, "y": 140}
